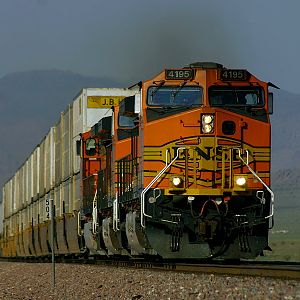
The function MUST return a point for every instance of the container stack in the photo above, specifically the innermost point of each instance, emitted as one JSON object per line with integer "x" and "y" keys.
{"x": 52, "y": 171}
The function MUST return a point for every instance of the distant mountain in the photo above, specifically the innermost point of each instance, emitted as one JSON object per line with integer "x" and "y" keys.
{"x": 286, "y": 186}
{"x": 30, "y": 103}
{"x": 286, "y": 178}
{"x": 286, "y": 131}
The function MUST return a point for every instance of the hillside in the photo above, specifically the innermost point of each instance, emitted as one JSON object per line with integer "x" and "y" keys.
{"x": 286, "y": 131}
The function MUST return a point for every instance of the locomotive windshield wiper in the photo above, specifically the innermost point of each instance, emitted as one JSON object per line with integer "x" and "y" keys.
{"x": 174, "y": 93}
{"x": 161, "y": 83}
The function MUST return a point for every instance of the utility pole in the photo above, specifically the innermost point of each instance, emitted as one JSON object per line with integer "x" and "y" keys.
{"x": 52, "y": 243}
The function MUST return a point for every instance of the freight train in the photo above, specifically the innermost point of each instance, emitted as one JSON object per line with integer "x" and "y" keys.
{"x": 174, "y": 167}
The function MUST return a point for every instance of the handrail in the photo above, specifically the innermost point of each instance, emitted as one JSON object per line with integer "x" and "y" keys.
{"x": 115, "y": 214}
{"x": 78, "y": 224}
{"x": 95, "y": 214}
{"x": 145, "y": 190}
{"x": 259, "y": 179}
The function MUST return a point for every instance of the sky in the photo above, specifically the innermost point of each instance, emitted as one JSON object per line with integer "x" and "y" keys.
{"x": 133, "y": 40}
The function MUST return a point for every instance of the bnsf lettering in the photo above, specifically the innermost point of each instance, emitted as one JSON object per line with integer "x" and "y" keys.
{"x": 219, "y": 151}
{"x": 207, "y": 153}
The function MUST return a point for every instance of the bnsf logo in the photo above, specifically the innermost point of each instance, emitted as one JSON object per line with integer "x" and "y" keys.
{"x": 206, "y": 153}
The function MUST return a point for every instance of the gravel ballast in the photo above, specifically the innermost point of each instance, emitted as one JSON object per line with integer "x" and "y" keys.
{"x": 34, "y": 281}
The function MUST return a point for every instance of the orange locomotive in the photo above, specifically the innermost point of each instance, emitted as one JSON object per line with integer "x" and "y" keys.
{"x": 182, "y": 169}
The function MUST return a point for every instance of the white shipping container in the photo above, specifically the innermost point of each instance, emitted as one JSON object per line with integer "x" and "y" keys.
{"x": 10, "y": 229}
{"x": 9, "y": 198}
{"x": 16, "y": 224}
{"x": 66, "y": 195}
{"x": 57, "y": 201}
{"x": 42, "y": 185}
{"x": 66, "y": 144}
{"x": 24, "y": 183}
{"x": 27, "y": 216}
{"x": 35, "y": 212}
{"x": 89, "y": 107}
{"x": 28, "y": 180}
{"x": 5, "y": 201}
{"x": 23, "y": 219}
{"x": 1, "y": 214}
{"x": 55, "y": 160}
{"x": 20, "y": 221}
{"x": 42, "y": 209}
{"x": 49, "y": 160}
{"x": 13, "y": 198}
{"x": 21, "y": 187}
{"x": 16, "y": 192}
{"x": 30, "y": 210}
{"x": 11, "y": 194}
{"x": 75, "y": 201}
{"x": 35, "y": 173}
{"x": 58, "y": 150}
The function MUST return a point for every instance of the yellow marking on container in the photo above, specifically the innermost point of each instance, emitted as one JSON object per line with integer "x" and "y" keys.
{"x": 103, "y": 101}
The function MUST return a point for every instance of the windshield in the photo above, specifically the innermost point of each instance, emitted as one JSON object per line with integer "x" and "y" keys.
{"x": 126, "y": 122}
{"x": 236, "y": 96}
{"x": 90, "y": 147}
{"x": 175, "y": 96}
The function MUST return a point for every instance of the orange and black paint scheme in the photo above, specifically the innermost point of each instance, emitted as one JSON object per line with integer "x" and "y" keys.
{"x": 182, "y": 169}
{"x": 95, "y": 151}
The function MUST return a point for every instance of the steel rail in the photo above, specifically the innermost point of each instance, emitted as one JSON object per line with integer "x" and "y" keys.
{"x": 281, "y": 270}
{"x": 247, "y": 268}
{"x": 291, "y": 272}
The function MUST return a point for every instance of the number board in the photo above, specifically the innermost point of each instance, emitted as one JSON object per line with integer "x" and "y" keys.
{"x": 179, "y": 74}
{"x": 48, "y": 208}
{"x": 234, "y": 74}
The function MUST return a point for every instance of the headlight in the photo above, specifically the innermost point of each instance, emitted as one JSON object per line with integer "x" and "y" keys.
{"x": 207, "y": 119}
{"x": 207, "y": 128}
{"x": 176, "y": 181}
{"x": 207, "y": 123}
{"x": 240, "y": 181}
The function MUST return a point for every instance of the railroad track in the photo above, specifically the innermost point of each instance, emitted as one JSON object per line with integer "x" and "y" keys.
{"x": 266, "y": 269}
{"x": 278, "y": 269}
{"x": 247, "y": 268}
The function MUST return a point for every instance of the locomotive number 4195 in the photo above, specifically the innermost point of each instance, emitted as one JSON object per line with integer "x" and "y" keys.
{"x": 239, "y": 75}
{"x": 179, "y": 74}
